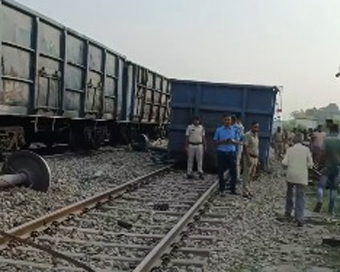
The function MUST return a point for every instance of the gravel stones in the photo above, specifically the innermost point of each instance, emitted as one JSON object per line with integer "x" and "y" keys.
{"x": 73, "y": 179}
{"x": 96, "y": 238}
{"x": 247, "y": 235}
{"x": 250, "y": 238}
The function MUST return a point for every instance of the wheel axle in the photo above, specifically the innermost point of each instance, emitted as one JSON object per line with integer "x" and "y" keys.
{"x": 25, "y": 168}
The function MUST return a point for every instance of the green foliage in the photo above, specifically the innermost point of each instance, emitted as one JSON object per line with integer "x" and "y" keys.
{"x": 329, "y": 112}
{"x": 290, "y": 124}
{"x": 301, "y": 127}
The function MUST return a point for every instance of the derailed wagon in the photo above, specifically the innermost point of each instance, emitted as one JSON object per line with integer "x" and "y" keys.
{"x": 210, "y": 101}
{"x": 59, "y": 86}
{"x": 146, "y": 103}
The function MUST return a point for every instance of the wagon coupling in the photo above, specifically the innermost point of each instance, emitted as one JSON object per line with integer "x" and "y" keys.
{"x": 25, "y": 168}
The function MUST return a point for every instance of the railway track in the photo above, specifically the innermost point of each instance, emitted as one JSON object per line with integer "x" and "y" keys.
{"x": 314, "y": 174}
{"x": 133, "y": 227}
{"x": 73, "y": 178}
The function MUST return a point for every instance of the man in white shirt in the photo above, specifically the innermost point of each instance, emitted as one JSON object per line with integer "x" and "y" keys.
{"x": 297, "y": 160}
{"x": 195, "y": 146}
{"x": 237, "y": 123}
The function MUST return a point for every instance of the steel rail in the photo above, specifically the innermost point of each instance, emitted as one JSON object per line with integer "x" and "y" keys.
{"x": 153, "y": 259}
{"x": 49, "y": 251}
{"x": 315, "y": 173}
{"x": 76, "y": 208}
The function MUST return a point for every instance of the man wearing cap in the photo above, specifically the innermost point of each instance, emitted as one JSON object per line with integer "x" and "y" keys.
{"x": 195, "y": 146}
{"x": 297, "y": 160}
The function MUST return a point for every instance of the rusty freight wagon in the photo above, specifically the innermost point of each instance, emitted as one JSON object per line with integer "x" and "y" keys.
{"x": 59, "y": 86}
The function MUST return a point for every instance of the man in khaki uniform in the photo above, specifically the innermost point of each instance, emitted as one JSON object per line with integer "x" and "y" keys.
{"x": 195, "y": 146}
{"x": 251, "y": 154}
{"x": 289, "y": 141}
{"x": 278, "y": 140}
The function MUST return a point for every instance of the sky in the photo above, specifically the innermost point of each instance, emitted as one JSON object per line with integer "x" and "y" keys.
{"x": 289, "y": 43}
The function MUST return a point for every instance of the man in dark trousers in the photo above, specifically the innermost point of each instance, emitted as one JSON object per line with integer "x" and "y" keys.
{"x": 330, "y": 175}
{"x": 226, "y": 139}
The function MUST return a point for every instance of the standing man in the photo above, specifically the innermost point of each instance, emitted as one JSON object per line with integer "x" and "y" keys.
{"x": 318, "y": 140}
{"x": 239, "y": 148}
{"x": 285, "y": 140}
{"x": 278, "y": 143}
{"x": 290, "y": 138}
{"x": 195, "y": 146}
{"x": 297, "y": 160}
{"x": 251, "y": 155}
{"x": 226, "y": 139}
{"x": 330, "y": 175}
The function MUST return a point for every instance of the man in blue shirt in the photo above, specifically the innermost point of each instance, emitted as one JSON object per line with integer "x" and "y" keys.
{"x": 226, "y": 137}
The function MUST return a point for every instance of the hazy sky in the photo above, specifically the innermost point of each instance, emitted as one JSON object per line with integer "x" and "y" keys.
{"x": 293, "y": 43}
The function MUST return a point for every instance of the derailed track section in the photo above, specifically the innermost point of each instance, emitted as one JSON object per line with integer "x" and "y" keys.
{"x": 130, "y": 228}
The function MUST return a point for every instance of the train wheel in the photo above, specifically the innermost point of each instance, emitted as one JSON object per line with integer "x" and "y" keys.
{"x": 115, "y": 137}
{"x": 141, "y": 143}
{"x": 95, "y": 141}
{"x": 49, "y": 147}
{"x": 75, "y": 141}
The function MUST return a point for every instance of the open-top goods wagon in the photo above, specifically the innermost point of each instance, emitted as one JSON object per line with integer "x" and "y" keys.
{"x": 211, "y": 101}
{"x": 60, "y": 86}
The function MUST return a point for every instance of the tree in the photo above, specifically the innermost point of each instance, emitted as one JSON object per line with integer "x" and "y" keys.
{"x": 321, "y": 114}
{"x": 298, "y": 114}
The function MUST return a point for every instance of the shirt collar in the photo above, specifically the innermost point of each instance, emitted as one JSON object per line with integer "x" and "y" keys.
{"x": 252, "y": 133}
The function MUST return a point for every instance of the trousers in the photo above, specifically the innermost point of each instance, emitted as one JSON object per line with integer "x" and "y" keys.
{"x": 238, "y": 161}
{"x": 195, "y": 152}
{"x": 300, "y": 200}
{"x": 227, "y": 161}
{"x": 330, "y": 179}
{"x": 248, "y": 174}
{"x": 279, "y": 147}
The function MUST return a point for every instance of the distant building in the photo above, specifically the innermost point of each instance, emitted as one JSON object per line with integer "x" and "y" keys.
{"x": 336, "y": 117}
{"x": 306, "y": 122}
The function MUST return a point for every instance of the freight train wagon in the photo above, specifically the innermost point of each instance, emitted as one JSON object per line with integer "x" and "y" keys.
{"x": 58, "y": 86}
{"x": 211, "y": 101}
{"x": 146, "y": 104}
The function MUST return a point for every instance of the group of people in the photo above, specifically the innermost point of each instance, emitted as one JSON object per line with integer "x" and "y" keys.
{"x": 304, "y": 152}
{"x": 235, "y": 150}
{"x": 299, "y": 150}
{"x": 282, "y": 139}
